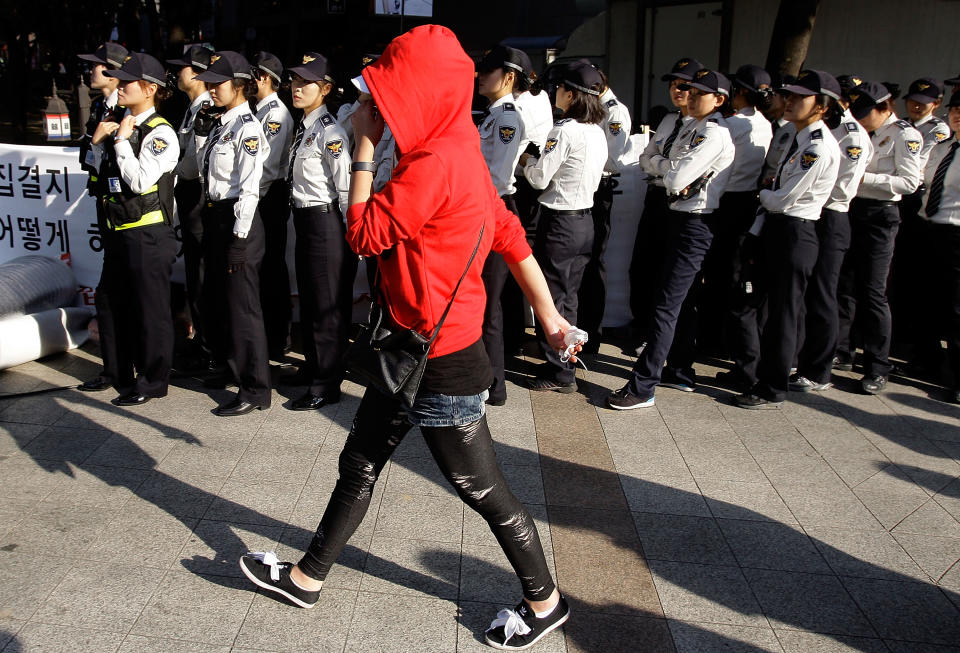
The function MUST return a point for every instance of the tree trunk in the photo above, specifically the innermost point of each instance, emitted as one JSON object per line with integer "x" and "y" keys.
{"x": 791, "y": 36}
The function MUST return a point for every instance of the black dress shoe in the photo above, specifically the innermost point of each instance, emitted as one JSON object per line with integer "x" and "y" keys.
{"x": 130, "y": 399}
{"x": 236, "y": 407}
{"x": 314, "y": 402}
{"x": 96, "y": 384}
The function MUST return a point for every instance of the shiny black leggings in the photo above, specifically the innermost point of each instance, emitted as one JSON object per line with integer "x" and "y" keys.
{"x": 466, "y": 457}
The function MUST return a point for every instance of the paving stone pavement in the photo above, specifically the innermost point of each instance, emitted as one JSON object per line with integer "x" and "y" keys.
{"x": 832, "y": 524}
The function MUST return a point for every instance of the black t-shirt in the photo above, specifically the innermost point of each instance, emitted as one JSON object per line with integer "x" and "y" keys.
{"x": 464, "y": 372}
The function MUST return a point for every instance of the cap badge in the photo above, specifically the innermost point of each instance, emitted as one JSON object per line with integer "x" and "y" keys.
{"x": 214, "y": 58}
{"x": 856, "y": 81}
{"x": 129, "y": 57}
{"x": 366, "y": 60}
{"x": 307, "y": 58}
{"x": 682, "y": 64}
{"x": 702, "y": 73}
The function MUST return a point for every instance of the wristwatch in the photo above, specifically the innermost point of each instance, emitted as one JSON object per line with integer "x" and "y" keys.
{"x": 363, "y": 166}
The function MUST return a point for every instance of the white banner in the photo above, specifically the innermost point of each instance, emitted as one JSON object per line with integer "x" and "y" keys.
{"x": 45, "y": 209}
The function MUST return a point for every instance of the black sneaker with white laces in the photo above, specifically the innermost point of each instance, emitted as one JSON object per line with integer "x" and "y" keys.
{"x": 265, "y": 571}
{"x": 519, "y": 629}
{"x": 623, "y": 399}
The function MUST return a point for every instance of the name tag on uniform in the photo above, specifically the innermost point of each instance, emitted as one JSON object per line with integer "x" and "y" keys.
{"x": 113, "y": 183}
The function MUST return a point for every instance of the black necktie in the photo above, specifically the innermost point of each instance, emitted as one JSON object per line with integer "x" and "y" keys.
{"x": 297, "y": 139}
{"x": 936, "y": 188}
{"x": 211, "y": 141}
{"x": 793, "y": 148}
{"x": 668, "y": 144}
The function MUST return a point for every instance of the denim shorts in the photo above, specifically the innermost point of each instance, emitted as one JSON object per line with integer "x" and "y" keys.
{"x": 433, "y": 409}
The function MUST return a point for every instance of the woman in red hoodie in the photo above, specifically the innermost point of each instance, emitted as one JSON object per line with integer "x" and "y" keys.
{"x": 422, "y": 227}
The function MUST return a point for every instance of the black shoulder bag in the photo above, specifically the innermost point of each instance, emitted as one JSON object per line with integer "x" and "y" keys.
{"x": 393, "y": 360}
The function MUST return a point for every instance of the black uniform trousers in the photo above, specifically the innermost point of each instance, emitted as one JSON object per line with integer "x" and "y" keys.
{"x": 727, "y": 299}
{"x": 274, "y": 277}
{"x": 512, "y": 301}
{"x": 907, "y": 274}
{"x": 188, "y": 194}
{"x": 325, "y": 271}
{"x": 820, "y": 323}
{"x": 495, "y": 275}
{"x": 593, "y": 289}
{"x": 563, "y": 245}
{"x": 133, "y": 308}
{"x": 686, "y": 244}
{"x": 943, "y": 281}
{"x": 862, "y": 293}
{"x": 233, "y": 300}
{"x": 790, "y": 247}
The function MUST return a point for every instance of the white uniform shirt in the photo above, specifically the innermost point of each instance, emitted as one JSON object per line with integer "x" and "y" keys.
{"x": 321, "y": 168}
{"x": 934, "y": 130}
{"x": 807, "y": 178}
{"x": 385, "y": 158}
{"x": 537, "y": 115}
{"x": 778, "y": 145}
{"x": 159, "y": 154}
{"x": 187, "y": 168}
{"x": 949, "y": 212}
{"x": 894, "y": 169}
{"x": 345, "y": 120}
{"x": 656, "y": 145}
{"x": 616, "y": 127}
{"x": 702, "y": 147}
{"x": 751, "y": 134}
{"x": 501, "y": 133}
{"x": 570, "y": 166}
{"x": 855, "y": 151}
{"x": 277, "y": 126}
{"x": 237, "y": 150}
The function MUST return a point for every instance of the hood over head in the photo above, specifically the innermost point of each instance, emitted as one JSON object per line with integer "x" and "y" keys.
{"x": 423, "y": 87}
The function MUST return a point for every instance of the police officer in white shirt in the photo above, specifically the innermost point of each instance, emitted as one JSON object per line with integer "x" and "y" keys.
{"x": 724, "y": 300}
{"x": 569, "y": 171}
{"x": 791, "y": 207}
{"x": 695, "y": 176}
{"x": 819, "y": 328}
{"x": 108, "y": 56}
{"x": 231, "y": 162}
{"x": 893, "y": 171}
{"x": 907, "y": 270}
{"x": 319, "y": 172}
{"x": 139, "y": 155}
{"x": 593, "y": 289}
{"x": 274, "y": 203}
{"x": 502, "y": 74}
{"x": 648, "y": 246}
{"x": 189, "y": 192}
{"x": 941, "y": 207}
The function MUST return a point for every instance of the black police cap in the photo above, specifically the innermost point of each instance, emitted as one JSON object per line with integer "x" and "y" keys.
{"x": 508, "y": 58}
{"x": 269, "y": 64}
{"x": 224, "y": 66}
{"x": 925, "y": 90}
{"x": 137, "y": 66}
{"x": 313, "y": 68}
{"x": 581, "y": 76}
{"x": 954, "y": 99}
{"x": 864, "y": 98}
{"x": 683, "y": 69}
{"x": 752, "y": 77}
{"x": 109, "y": 54}
{"x": 814, "y": 82}
{"x": 196, "y": 56}
{"x": 709, "y": 81}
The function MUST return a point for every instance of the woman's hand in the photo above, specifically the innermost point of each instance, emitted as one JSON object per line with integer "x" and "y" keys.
{"x": 555, "y": 327}
{"x": 367, "y": 124}
{"x": 523, "y": 159}
{"x": 127, "y": 125}
{"x": 103, "y": 130}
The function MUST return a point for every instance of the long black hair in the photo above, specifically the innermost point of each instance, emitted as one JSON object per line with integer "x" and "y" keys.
{"x": 584, "y": 107}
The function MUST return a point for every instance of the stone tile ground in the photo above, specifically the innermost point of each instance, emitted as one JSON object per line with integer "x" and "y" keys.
{"x": 832, "y": 524}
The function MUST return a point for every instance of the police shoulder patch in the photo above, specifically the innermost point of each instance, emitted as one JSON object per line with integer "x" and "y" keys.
{"x": 808, "y": 159}
{"x": 615, "y": 127}
{"x": 272, "y": 127}
{"x": 816, "y": 134}
{"x": 851, "y": 126}
{"x": 159, "y": 145}
{"x": 612, "y": 103}
{"x": 550, "y": 145}
{"x": 913, "y": 146}
{"x": 853, "y": 152}
{"x": 507, "y": 132}
{"x": 251, "y": 145}
{"x": 247, "y": 117}
{"x": 327, "y": 120}
{"x": 508, "y": 106}
{"x": 941, "y": 135}
{"x": 335, "y": 148}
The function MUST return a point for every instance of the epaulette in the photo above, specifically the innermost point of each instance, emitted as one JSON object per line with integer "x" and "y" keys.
{"x": 273, "y": 105}
{"x": 713, "y": 120}
{"x": 903, "y": 124}
{"x": 816, "y": 134}
{"x": 327, "y": 120}
{"x": 562, "y": 121}
{"x": 247, "y": 117}
{"x": 851, "y": 126}
{"x": 612, "y": 103}
{"x": 508, "y": 106}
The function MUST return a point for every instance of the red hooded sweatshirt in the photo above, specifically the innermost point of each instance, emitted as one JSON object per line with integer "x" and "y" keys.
{"x": 431, "y": 211}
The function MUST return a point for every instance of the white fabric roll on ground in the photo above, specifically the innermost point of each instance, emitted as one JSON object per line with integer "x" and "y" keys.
{"x": 24, "y": 338}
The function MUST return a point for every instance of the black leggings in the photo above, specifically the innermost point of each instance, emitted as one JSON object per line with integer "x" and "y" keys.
{"x": 466, "y": 457}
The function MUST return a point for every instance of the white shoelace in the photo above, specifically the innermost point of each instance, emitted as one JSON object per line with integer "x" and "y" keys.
{"x": 512, "y": 624}
{"x": 270, "y": 559}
